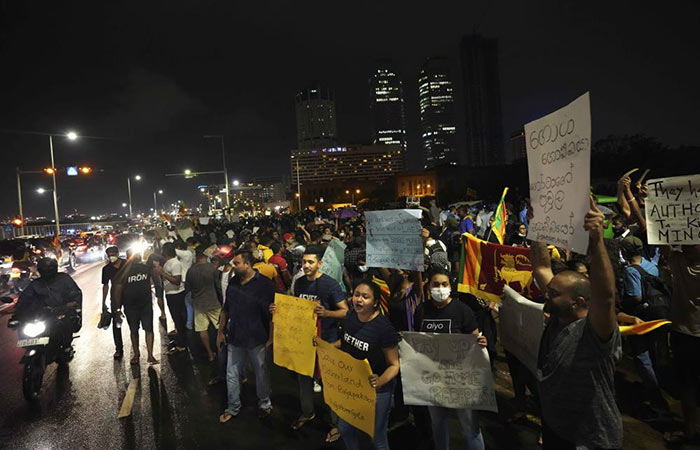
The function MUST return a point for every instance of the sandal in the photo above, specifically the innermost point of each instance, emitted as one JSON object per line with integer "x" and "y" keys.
{"x": 214, "y": 381}
{"x": 333, "y": 435}
{"x": 301, "y": 421}
{"x": 225, "y": 417}
{"x": 679, "y": 437}
{"x": 176, "y": 350}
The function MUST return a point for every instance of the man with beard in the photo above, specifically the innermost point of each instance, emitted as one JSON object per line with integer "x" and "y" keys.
{"x": 579, "y": 349}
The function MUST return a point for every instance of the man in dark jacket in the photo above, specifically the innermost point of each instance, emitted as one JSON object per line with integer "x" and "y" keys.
{"x": 57, "y": 291}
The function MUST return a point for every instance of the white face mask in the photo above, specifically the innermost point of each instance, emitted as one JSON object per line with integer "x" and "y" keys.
{"x": 363, "y": 269}
{"x": 440, "y": 294}
{"x": 113, "y": 259}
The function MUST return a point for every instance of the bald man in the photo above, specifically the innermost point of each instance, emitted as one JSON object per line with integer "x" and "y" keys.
{"x": 579, "y": 349}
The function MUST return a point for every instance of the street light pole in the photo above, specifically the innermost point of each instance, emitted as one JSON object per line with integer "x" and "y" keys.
{"x": 298, "y": 185}
{"x": 19, "y": 197}
{"x": 55, "y": 196}
{"x": 155, "y": 204}
{"x": 128, "y": 188}
{"x": 223, "y": 158}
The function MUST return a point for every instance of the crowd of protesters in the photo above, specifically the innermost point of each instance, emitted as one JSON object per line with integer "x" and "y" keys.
{"x": 224, "y": 278}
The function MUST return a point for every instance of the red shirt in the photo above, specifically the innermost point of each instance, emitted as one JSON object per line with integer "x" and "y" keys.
{"x": 281, "y": 263}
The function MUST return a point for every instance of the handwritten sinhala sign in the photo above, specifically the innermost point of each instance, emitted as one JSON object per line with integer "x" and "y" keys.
{"x": 294, "y": 330}
{"x": 522, "y": 325}
{"x": 559, "y": 165}
{"x": 673, "y": 210}
{"x": 346, "y": 387}
{"x": 448, "y": 370}
{"x": 393, "y": 239}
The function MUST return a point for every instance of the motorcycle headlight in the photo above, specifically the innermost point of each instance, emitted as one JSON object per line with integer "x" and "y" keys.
{"x": 34, "y": 329}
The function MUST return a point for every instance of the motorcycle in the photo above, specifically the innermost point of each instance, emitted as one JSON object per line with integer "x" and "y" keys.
{"x": 41, "y": 347}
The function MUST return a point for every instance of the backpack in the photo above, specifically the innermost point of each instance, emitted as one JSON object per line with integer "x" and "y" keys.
{"x": 656, "y": 298}
{"x": 437, "y": 257}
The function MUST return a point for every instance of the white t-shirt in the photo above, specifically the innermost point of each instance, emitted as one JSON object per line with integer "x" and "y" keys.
{"x": 225, "y": 279}
{"x": 173, "y": 268}
{"x": 186, "y": 258}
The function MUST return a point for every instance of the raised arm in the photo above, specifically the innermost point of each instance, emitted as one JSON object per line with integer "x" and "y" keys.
{"x": 541, "y": 264}
{"x": 601, "y": 307}
{"x": 622, "y": 200}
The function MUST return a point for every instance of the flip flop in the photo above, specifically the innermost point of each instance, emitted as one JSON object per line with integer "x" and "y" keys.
{"x": 332, "y": 436}
{"x": 301, "y": 421}
{"x": 175, "y": 350}
{"x": 226, "y": 417}
{"x": 154, "y": 362}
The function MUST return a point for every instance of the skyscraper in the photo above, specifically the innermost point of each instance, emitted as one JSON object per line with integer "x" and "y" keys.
{"x": 386, "y": 106}
{"x": 482, "y": 100}
{"x": 315, "y": 109}
{"x": 437, "y": 114}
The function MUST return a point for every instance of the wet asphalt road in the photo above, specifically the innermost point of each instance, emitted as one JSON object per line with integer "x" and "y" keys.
{"x": 174, "y": 409}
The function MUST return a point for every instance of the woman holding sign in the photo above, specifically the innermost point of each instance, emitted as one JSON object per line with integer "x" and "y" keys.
{"x": 367, "y": 334}
{"x": 442, "y": 314}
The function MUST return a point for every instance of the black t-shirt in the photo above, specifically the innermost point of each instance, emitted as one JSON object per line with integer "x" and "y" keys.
{"x": 326, "y": 291}
{"x": 109, "y": 271}
{"x": 136, "y": 287}
{"x": 454, "y": 318}
{"x": 366, "y": 340}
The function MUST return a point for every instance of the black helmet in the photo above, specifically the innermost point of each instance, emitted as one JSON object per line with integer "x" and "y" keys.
{"x": 47, "y": 267}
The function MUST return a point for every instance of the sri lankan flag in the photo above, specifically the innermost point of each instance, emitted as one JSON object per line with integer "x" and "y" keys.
{"x": 642, "y": 328}
{"x": 485, "y": 268}
{"x": 384, "y": 299}
{"x": 500, "y": 218}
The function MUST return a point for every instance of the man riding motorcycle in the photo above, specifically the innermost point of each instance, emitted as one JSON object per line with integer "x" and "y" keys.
{"x": 59, "y": 293}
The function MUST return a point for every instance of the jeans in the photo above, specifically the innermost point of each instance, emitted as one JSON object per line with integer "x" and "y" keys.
{"x": 645, "y": 368}
{"x": 236, "y": 359}
{"x": 176, "y": 305}
{"x": 306, "y": 397}
{"x": 381, "y": 422}
{"x": 469, "y": 420}
{"x": 117, "y": 334}
{"x": 190, "y": 311}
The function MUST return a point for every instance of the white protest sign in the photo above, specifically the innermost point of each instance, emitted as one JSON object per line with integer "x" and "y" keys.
{"x": 559, "y": 164}
{"x": 522, "y": 325}
{"x": 448, "y": 370}
{"x": 673, "y": 210}
{"x": 393, "y": 239}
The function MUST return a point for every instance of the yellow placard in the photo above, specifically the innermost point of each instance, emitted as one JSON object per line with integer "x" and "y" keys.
{"x": 346, "y": 387}
{"x": 294, "y": 329}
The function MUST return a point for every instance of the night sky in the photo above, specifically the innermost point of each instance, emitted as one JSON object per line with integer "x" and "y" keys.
{"x": 156, "y": 76}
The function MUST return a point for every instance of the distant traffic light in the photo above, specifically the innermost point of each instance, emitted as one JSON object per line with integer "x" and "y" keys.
{"x": 17, "y": 222}
{"x": 50, "y": 170}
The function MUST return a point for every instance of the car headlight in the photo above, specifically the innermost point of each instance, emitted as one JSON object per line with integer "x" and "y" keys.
{"x": 34, "y": 329}
{"x": 138, "y": 247}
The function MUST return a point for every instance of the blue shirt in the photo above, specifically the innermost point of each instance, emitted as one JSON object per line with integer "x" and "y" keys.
{"x": 632, "y": 280}
{"x": 523, "y": 216}
{"x": 467, "y": 225}
{"x": 248, "y": 309}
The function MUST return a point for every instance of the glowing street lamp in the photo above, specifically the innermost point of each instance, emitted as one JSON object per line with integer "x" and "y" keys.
{"x": 128, "y": 188}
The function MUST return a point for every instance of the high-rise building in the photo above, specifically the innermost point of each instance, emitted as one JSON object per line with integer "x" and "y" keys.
{"x": 315, "y": 109}
{"x": 482, "y": 100}
{"x": 437, "y": 113}
{"x": 386, "y": 105}
{"x": 375, "y": 163}
{"x": 518, "y": 147}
